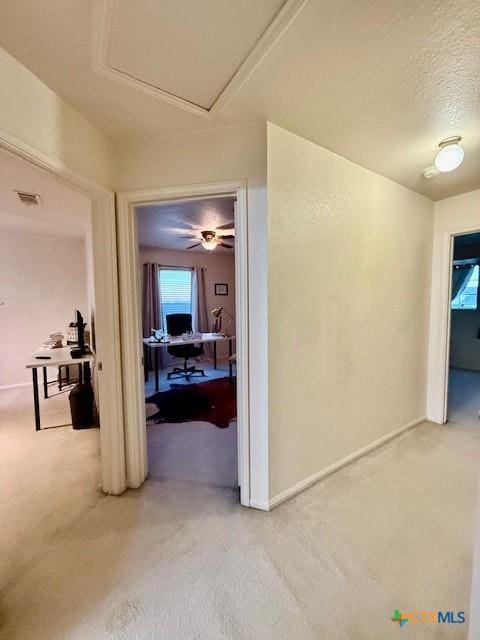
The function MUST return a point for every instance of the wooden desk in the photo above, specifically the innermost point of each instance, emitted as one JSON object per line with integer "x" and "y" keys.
{"x": 56, "y": 358}
{"x": 176, "y": 341}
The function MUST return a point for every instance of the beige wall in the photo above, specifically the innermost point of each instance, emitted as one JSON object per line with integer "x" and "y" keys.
{"x": 349, "y": 276}
{"x": 32, "y": 112}
{"x": 42, "y": 281}
{"x": 219, "y": 268}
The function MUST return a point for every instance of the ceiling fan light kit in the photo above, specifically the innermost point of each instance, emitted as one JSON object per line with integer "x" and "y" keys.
{"x": 210, "y": 244}
{"x": 211, "y": 240}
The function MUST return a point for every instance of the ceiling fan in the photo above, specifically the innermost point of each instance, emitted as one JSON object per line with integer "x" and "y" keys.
{"x": 211, "y": 239}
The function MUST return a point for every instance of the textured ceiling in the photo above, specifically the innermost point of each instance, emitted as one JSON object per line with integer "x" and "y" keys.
{"x": 189, "y": 40}
{"x": 62, "y": 211}
{"x": 378, "y": 82}
{"x": 162, "y": 226}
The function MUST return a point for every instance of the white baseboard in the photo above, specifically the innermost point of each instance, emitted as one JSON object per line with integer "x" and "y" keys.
{"x": 263, "y": 506}
{"x": 316, "y": 477}
{"x": 5, "y": 387}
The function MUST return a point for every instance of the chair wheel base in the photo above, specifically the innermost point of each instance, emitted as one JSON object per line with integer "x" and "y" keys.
{"x": 186, "y": 372}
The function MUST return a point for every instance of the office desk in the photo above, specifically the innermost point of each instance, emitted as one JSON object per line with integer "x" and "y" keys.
{"x": 57, "y": 358}
{"x": 176, "y": 341}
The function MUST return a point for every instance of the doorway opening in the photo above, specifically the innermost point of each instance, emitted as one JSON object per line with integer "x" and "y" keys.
{"x": 132, "y": 328}
{"x": 36, "y": 168}
{"x": 46, "y": 280}
{"x": 463, "y": 398}
{"x": 46, "y": 273}
{"x": 186, "y": 253}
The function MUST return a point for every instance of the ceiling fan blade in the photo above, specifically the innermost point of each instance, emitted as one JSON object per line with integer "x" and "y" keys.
{"x": 188, "y": 237}
{"x": 227, "y": 246}
{"x": 229, "y": 236}
{"x": 194, "y": 245}
{"x": 226, "y": 227}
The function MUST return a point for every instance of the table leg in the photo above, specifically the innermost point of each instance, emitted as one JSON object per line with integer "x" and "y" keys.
{"x": 60, "y": 383}
{"x": 67, "y": 374}
{"x": 230, "y": 366}
{"x": 45, "y": 383}
{"x": 80, "y": 374}
{"x": 36, "y": 402}
{"x": 214, "y": 354}
{"x": 155, "y": 351}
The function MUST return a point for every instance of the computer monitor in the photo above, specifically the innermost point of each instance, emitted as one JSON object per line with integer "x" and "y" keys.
{"x": 80, "y": 330}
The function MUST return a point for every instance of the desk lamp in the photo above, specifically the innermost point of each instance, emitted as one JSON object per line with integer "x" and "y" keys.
{"x": 217, "y": 323}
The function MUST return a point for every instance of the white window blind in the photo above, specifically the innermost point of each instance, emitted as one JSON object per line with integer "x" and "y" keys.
{"x": 468, "y": 297}
{"x": 175, "y": 292}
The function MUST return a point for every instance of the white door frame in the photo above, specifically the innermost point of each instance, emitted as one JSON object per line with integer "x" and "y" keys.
{"x": 440, "y": 325}
{"x": 130, "y": 309}
{"x": 107, "y": 328}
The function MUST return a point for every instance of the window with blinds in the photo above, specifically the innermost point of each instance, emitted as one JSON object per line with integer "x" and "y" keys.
{"x": 175, "y": 292}
{"x": 467, "y": 297}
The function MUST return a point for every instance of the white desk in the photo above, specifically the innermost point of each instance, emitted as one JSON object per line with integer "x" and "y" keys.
{"x": 43, "y": 358}
{"x": 176, "y": 341}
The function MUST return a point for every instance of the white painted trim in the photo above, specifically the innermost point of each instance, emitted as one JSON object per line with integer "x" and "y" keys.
{"x": 137, "y": 467}
{"x": 102, "y": 25}
{"x": 6, "y": 387}
{"x": 242, "y": 342}
{"x": 132, "y": 355}
{"x": 106, "y": 293}
{"x": 440, "y": 319}
{"x": 262, "y": 506}
{"x": 336, "y": 466}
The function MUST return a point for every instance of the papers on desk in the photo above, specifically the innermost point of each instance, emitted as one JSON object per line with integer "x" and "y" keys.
{"x": 55, "y": 341}
{"x": 191, "y": 336}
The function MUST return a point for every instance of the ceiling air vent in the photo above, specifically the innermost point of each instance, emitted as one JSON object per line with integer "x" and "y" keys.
{"x": 28, "y": 198}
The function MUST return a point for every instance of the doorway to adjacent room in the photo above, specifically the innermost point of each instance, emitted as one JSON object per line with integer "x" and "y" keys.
{"x": 30, "y": 172}
{"x": 229, "y": 322}
{"x": 187, "y": 257}
{"x": 463, "y": 399}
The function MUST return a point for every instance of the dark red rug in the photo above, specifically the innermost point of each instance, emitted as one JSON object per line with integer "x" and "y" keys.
{"x": 212, "y": 401}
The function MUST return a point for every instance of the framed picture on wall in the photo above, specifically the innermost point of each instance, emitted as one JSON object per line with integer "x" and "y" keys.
{"x": 221, "y": 289}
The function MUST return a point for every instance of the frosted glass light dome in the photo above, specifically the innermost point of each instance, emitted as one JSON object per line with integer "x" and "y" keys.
{"x": 450, "y": 156}
{"x": 210, "y": 245}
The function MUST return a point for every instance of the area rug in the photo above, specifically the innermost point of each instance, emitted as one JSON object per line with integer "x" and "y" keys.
{"x": 211, "y": 401}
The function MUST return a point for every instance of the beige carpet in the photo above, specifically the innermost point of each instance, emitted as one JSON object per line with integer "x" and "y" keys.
{"x": 176, "y": 560}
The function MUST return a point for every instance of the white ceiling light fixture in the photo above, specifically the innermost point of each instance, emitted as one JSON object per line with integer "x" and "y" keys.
{"x": 209, "y": 244}
{"x": 450, "y": 156}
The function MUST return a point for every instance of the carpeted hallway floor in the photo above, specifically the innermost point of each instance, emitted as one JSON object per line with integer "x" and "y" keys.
{"x": 178, "y": 560}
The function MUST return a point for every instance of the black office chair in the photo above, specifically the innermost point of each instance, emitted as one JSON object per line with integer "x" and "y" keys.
{"x": 178, "y": 323}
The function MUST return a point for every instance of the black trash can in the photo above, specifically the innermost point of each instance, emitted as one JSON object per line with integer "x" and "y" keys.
{"x": 82, "y": 402}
